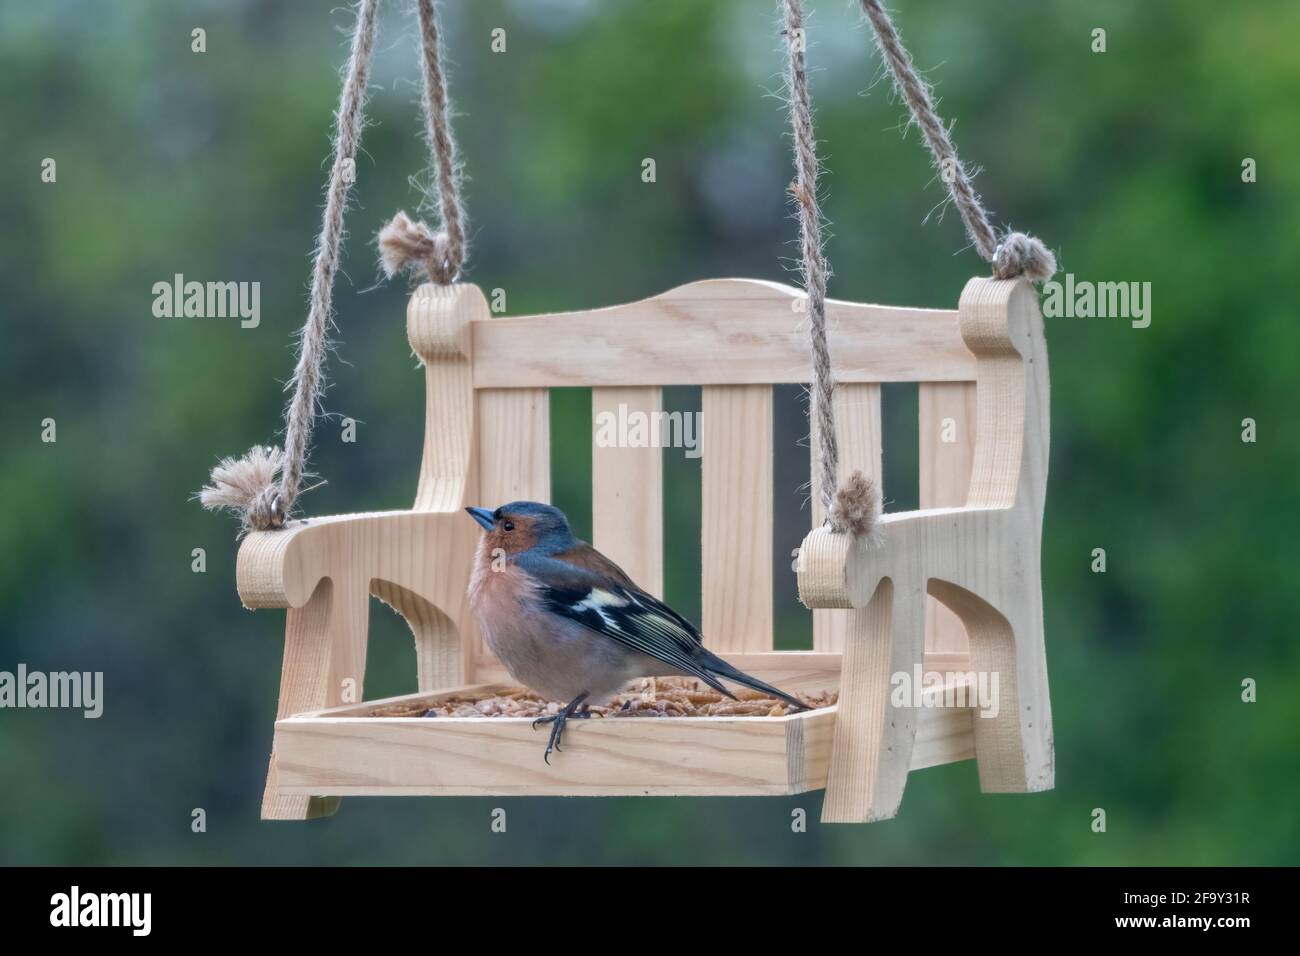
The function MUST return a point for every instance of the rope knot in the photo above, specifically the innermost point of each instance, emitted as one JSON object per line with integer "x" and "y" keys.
{"x": 247, "y": 487}
{"x": 856, "y": 509}
{"x": 1020, "y": 254}
{"x": 406, "y": 243}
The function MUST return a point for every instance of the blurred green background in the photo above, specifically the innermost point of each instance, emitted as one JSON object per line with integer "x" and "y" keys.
{"x": 211, "y": 165}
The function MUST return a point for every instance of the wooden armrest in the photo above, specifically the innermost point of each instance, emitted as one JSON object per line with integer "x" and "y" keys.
{"x": 408, "y": 548}
{"x": 325, "y": 571}
{"x": 838, "y": 571}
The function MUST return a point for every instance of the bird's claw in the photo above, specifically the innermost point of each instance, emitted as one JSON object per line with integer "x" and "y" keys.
{"x": 559, "y": 719}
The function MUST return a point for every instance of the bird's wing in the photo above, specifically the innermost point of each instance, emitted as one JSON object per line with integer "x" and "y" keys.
{"x": 611, "y": 605}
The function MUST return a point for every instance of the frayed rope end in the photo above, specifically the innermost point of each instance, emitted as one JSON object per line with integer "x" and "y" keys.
{"x": 1020, "y": 254}
{"x": 856, "y": 510}
{"x": 405, "y": 243}
{"x": 246, "y": 487}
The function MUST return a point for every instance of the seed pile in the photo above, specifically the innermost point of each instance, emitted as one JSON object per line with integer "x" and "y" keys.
{"x": 653, "y": 697}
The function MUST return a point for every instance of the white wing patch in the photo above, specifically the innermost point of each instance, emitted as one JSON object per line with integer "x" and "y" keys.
{"x": 597, "y": 600}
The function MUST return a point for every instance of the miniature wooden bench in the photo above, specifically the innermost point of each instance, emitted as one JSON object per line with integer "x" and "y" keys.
{"x": 953, "y": 588}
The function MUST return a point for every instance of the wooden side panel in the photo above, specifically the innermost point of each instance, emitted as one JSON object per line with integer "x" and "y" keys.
{"x": 947, "y": 444}
{"x": 857, "y": 420}
{"x": 981, "y": 559}
{"x": 736, "y": 522}
{"x": 328, "y": 626}
{"x": 627, "y": 482}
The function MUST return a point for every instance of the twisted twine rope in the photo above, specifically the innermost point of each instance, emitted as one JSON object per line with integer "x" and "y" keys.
{"x": 248, "y": 485}
{"x": 1016, "y": 253}
{"x": 855, "y": 506}
{"x": 848, "y": 509}
{"x": 404, "y": 243}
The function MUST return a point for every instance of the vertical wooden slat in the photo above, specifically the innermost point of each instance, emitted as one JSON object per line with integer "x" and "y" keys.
{"x": 947, "y": 446}
{"x": 857, "y": 422}
{"x": 627, "y": 521}
{"x": 736, "y": 517}
{"x": 514, "y": 452}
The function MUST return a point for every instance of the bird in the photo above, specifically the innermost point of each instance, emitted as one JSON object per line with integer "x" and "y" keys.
{"x": 571, "y": 625}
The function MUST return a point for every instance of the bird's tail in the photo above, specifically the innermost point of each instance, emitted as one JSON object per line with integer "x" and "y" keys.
{"x": 716, "y": 665}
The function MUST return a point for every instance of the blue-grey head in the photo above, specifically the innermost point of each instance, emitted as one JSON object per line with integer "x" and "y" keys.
{"x": 525, "y": 526}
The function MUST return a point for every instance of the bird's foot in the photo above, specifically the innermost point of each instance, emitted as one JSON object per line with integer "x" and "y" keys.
{"x": 557, "y": 721}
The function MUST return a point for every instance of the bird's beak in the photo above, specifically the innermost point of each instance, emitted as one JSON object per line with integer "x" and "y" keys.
{"x": 483, "y": 517}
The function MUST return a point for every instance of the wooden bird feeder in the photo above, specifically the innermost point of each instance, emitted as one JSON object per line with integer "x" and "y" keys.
{"x": 953, "y": 588}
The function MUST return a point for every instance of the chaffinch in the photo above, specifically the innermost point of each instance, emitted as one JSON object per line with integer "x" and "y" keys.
{"x": 568, "y": 623}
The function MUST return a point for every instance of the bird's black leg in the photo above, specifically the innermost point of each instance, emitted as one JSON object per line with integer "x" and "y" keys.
{"x": 570, "y": 710}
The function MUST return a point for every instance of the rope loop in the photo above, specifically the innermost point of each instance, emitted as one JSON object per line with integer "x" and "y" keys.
{"x": 1017, "y": 254}
{"x": 437, "y": 255}
{"x": 261, "y": 487}
{"x": 854, "y": 506}
{"x": 405, "y": 243}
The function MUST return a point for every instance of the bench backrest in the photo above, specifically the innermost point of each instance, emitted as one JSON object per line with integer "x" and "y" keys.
{"x": 734, "y": 337}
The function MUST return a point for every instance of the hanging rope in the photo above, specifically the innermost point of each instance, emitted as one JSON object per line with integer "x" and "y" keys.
{"x": 248, "y": 486}
{"x": 402, "y": 243}
{"x": 855, "y": 508}
{"x": 1016, "y": 253}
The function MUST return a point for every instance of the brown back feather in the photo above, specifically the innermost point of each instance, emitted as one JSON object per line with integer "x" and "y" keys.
{"x": 584, "y": 556}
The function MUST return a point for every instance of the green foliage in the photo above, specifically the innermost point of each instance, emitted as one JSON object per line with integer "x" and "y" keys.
{"x": 1127, "y": 162}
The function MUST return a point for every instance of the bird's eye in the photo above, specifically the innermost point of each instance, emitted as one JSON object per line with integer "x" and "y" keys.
{"x": 508, "y": 526}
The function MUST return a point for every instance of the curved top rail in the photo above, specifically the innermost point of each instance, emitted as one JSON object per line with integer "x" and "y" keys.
{"x": 716, "y": 332}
